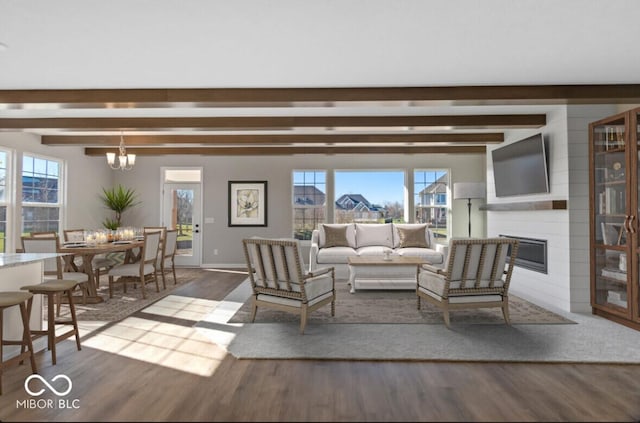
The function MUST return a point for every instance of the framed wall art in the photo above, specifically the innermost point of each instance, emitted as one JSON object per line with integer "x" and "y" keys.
{"x": 247, "y": 203}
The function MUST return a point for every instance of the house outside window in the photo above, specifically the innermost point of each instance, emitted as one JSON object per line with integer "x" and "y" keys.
{"x": 369, "y": 196}
{"x": 431, "y": 190}
{"x": 309, "y": 202}
{"x": 41, "y": 182}
{"x": 4, "y": 200}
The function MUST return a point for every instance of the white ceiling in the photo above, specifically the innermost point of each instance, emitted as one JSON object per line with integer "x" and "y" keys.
{"x": 332, "y": 43}
{"x": 87, "y": 44}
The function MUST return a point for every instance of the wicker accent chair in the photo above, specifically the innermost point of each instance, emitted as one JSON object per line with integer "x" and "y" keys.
{"x": 280, "y": 282}
{"x": 474, "y": 276}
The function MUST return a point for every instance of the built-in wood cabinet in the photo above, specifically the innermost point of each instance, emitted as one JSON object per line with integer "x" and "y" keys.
{"x": 614, "y": 192}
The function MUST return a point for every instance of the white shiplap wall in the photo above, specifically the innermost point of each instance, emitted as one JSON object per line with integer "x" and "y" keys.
{"x": 566, "y": 285}
{"x": 550, "y": 289}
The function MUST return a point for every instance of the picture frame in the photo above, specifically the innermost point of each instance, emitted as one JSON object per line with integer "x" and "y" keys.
{"x": 247, "y": 203}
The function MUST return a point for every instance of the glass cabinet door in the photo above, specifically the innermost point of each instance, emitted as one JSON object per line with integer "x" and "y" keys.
{"x": 611, "y": 217}
{"x": 635, "y": 212}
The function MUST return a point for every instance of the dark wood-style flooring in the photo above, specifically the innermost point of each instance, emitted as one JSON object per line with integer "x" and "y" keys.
{"x": 135, "y": 386}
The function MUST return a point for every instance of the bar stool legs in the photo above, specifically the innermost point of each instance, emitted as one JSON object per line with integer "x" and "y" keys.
{"x": 51, "y": 289}
{"x": 10, "y": 299}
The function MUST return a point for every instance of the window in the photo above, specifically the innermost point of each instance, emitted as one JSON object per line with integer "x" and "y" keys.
{"x": 4, "y": 201}
{"x": 40, "y": 194}
{"x": 309, "y": 201}
{"x": 369, "y": 196}
{"x": 431, "y": 190}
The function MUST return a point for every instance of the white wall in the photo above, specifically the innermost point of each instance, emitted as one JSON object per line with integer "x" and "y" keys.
{"x": 85, "y": 178}
{"x": 277, "y": 170}
{"x": 88, "y": 175}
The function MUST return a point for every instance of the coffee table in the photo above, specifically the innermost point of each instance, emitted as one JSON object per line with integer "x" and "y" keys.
{"x": 378, "y": 273}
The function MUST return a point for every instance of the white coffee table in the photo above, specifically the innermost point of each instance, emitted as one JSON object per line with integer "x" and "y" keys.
{"x": 378, "y": 273}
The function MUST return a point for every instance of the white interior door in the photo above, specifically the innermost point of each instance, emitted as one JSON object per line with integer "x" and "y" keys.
{"x": 182, "y": 210}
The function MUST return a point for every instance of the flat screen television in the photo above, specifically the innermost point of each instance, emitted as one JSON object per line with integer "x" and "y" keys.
{"x": 520, "y": 168}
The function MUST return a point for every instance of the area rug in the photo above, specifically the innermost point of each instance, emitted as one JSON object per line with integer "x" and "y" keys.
{"x": 399, "y": 307}
{"x": 122, "y": 305}
{"x": 591, "y": 339}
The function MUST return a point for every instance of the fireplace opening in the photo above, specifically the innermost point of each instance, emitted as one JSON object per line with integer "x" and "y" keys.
{"x": 532, "y": 253}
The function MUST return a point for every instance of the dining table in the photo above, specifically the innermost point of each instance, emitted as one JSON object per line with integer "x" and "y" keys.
{"x": 89, "y": 251}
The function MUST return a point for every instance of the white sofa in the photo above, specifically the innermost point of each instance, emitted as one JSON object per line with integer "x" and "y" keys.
{"x": 371, "y": 239}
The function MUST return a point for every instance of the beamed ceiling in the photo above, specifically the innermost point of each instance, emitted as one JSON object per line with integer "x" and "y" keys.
{"x": 283, "y": 121}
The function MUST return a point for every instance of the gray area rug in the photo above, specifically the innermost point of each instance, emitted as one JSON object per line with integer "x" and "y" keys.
{"x": 591, "y": 340}
{"x": 389, "y": 306}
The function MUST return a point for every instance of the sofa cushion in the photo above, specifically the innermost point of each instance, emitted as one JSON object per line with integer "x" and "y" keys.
{"x": 427, "y": 254}
{"x": 334, "y": 255}
{"x": 335, "y": 237}
{"x": 396, "y": 234}
{"x": 372, "y": 251}
{"x": 376, "y": 234}
{"x": 350, "y": 233}
{"x": 412, "y": 237}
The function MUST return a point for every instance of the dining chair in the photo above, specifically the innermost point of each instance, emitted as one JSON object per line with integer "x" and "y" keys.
{"x": 162, "y": 229}
{"x": 143, "y": 271}
{"x": 44, "y": 234}
{"x": 167, "y": 255}
{"x": 53, "y": 267}
{"x": 98, "y": 263}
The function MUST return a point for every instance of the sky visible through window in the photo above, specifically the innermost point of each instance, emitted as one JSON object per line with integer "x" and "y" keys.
{"x": 378, "y": 187}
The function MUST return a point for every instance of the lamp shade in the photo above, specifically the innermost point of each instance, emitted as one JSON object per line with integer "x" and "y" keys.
{"x": 468, "y": 190}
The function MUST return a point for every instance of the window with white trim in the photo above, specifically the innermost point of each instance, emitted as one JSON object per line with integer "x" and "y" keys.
{"x": 41, "y": 199}
{"x": 4, "y": 198}
{"x": 431, "y": 190}
{"x": 309, "y": 201}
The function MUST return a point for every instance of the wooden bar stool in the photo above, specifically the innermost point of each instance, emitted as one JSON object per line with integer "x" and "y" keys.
{"x": 10, "y": 299}
{"x": 51, "y": 289}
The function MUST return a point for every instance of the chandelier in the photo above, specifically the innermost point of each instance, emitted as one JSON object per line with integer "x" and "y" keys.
{"x": 125, "y": 161}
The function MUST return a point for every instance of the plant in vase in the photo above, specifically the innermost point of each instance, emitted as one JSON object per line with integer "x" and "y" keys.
{"x": 119, "y": 199}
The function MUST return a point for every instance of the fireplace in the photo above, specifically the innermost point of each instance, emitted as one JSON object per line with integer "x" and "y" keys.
{"x": 532, "y": 253}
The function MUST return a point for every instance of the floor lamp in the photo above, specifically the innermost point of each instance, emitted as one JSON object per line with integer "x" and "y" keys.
{"x": 468, "y": 191}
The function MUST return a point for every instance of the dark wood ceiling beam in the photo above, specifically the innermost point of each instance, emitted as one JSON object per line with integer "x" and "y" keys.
{"x": 148, "y": 140}
{"x": 531, "y": 94}
{"x": 259, "y": 122}
{"x": 281, "y": 151}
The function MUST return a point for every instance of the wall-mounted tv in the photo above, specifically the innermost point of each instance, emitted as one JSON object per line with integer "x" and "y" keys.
{"x": 520, "y": 168}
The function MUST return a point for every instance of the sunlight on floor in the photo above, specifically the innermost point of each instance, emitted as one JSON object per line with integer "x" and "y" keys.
{"x": 196, "y": 349}
{"x": 164, "y": 344}
{"x": 180, "y": 307}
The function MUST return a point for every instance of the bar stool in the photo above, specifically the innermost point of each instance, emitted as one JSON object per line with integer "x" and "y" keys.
{"x": 51, "y": 289}
{"x": 10, "y": 299}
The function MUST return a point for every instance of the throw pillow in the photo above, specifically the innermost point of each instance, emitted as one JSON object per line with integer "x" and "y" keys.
{"x": 412, "y": 237}
{"x": 374, "y": 234}
{"x": 335, "y": 237}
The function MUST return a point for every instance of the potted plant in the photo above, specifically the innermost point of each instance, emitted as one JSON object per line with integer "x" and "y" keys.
{"x": 118, "y": 199}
